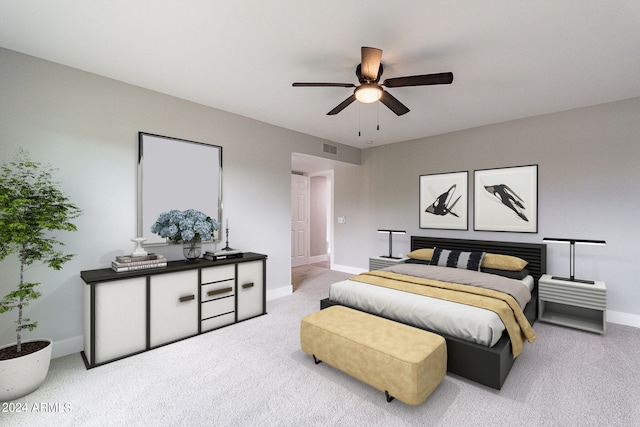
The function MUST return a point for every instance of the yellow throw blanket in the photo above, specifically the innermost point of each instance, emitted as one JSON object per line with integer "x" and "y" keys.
{"x": 502, "y": 304}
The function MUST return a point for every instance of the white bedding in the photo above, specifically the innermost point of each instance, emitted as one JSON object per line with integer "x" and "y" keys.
{"x": 458, "y": 320}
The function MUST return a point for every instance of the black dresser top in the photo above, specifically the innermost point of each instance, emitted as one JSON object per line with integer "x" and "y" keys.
{"x": 108, "y": 274}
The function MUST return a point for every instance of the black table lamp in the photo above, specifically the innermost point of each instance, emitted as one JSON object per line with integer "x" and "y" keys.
{"x": 391, "y": 232}
{"x": 572, "y": 256}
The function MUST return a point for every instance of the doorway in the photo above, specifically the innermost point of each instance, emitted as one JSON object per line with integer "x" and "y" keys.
{"x": 310, "y": 218}
{"x": 311, "y": 214}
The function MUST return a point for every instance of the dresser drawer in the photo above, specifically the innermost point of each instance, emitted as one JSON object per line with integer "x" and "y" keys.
{"x": 218, "y": 290}
{"x": 218, "y": 307}
{"x": 576, "y": 293}
{"x": 218, "y": 274}
{"x": 218, "y": 322}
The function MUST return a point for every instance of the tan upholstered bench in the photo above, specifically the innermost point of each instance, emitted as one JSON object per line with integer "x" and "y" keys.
{"x": 405, "y": 362}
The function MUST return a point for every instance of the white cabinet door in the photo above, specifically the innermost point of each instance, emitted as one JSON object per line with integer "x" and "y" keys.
{"x": 250, "y": 289}
{"x": 120, "y": 318}
{"x": 173, "y": 306}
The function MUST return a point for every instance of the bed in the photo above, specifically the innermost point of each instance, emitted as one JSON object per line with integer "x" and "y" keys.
{"x": 487, "y": 363}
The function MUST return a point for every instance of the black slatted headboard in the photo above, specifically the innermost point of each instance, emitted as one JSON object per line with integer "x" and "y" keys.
{"x": 534, "y": 253}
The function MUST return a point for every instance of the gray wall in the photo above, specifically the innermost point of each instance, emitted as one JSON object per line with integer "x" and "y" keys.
{"x": 87, "y": 127}
{"x": 589, "y": 187}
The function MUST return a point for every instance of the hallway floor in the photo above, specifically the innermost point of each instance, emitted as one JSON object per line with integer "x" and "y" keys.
{"x": 300, "y": 274}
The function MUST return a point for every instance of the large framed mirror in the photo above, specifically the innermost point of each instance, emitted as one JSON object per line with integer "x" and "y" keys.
{"x": 176, "y": 174}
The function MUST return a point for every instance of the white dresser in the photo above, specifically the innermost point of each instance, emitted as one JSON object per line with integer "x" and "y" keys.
{"x": 132, "y": 312}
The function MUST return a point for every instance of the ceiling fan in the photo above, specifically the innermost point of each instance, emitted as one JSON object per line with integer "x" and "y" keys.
{"x": 368, "y": 73}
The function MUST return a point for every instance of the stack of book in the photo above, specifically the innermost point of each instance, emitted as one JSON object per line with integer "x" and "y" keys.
{"x": 214, "y": 256}
{"x": 133, "y": 263}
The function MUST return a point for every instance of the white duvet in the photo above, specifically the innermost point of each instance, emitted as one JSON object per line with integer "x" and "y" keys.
{"x": 458, "y": 320}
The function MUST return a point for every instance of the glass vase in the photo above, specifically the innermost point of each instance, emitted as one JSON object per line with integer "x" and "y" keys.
{"x": 192, "y": 249}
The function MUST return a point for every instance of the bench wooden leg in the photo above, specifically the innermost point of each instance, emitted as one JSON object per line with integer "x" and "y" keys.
{"x": 389, "y": 397}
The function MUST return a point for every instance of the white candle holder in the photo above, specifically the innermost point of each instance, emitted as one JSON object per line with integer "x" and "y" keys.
{"x": 138, "y": 250}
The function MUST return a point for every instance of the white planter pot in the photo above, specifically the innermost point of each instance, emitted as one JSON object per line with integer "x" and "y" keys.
{"x": 24, "y": 374}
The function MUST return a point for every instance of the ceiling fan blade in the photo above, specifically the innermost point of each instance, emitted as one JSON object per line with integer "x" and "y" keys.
{"x": 425, "y": 79}
{"x": 344, "y": 104}
{"x": 323, "y": 85}
{"x": 370, "y": 62}
{"x": 393, "y": 104}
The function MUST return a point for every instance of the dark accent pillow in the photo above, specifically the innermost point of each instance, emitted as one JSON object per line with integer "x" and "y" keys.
{"x": 518, "y": 275}
{"x": 457, "y": 259}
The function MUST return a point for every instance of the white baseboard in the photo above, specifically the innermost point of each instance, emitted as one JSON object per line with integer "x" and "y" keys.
{"x": 67, "y": 346}
{"x": 280, "y": 292}
{"x": 318, "y": 258}
{"x": 623, "y": 318}
{"x": 347, "y": 269}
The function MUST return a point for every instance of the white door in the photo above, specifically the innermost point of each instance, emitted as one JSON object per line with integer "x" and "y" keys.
{"x": 299, "y": 220}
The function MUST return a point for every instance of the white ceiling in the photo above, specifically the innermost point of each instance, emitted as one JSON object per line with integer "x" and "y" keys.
{"x": 510, "y": 59}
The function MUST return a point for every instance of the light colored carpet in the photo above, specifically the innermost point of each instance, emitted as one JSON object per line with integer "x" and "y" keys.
{"x": 304, "y": 273}
{"x": 254, "y": 374}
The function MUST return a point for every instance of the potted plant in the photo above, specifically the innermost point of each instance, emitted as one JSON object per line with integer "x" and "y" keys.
{"x": 31, "y": 207}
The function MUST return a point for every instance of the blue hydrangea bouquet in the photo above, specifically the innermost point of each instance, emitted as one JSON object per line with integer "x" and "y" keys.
{"x": 184, "y": 226}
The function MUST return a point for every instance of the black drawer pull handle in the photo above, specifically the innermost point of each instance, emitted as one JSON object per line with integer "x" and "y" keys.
{"x": 219, "y": 291}
{"x": 247, "y": 285}
{"x": 187, "y": 298}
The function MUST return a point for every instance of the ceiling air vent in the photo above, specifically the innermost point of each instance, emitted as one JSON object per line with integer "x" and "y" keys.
{"x": 331, "y": 149}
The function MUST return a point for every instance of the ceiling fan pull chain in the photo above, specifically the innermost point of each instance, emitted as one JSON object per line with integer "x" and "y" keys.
{"x": 378, "y": 126}
{"x": 359, "y": 114}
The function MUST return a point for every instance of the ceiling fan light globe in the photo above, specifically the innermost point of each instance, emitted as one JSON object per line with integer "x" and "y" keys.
{"x": 368, "y": 93}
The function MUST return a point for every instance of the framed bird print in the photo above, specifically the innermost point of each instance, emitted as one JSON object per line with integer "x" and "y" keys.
{"x": 444, "y": 201}
{"x": 506, "y": 199}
